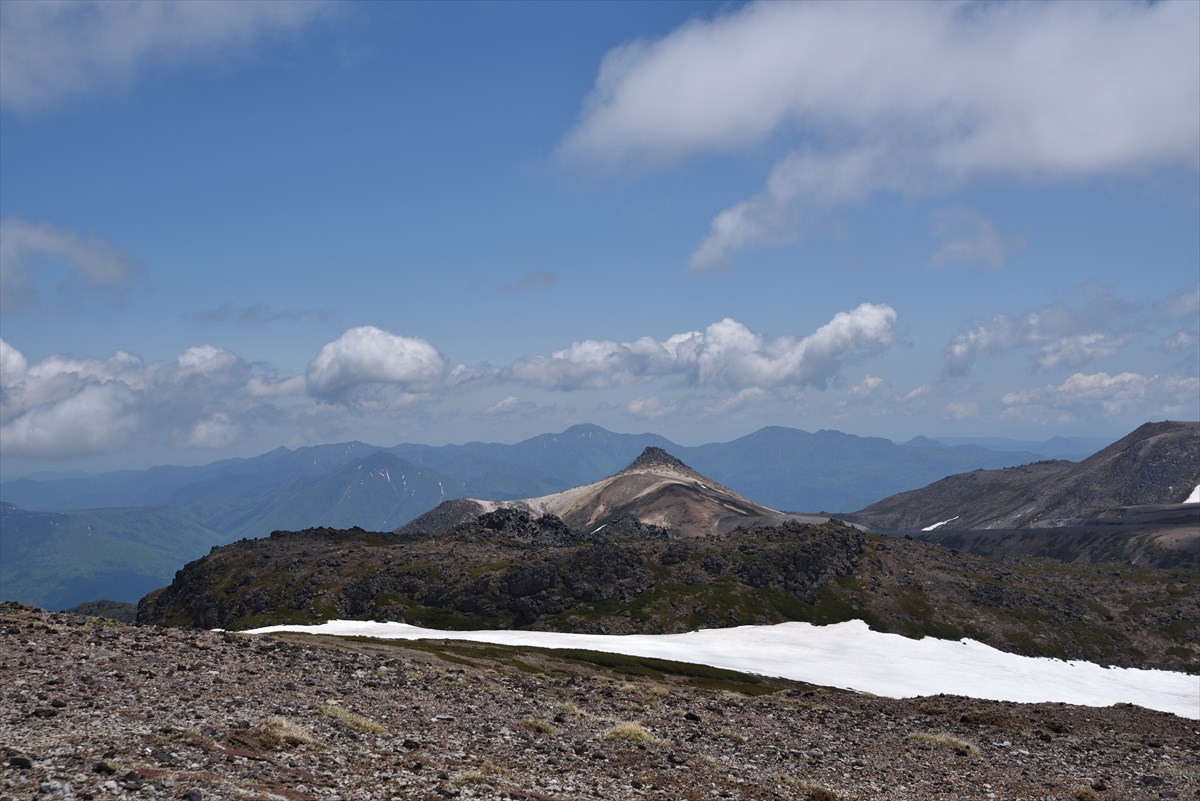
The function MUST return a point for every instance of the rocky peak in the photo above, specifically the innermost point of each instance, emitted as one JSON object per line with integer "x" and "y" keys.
{"x": 653, "y": 458}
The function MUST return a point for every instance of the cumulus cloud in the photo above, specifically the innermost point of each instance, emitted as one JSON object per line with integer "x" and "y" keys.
{"x": 97, "y": 417}
{"x": 88, "y": 266}
{"x": 970, "y": 238}
{"x": 282, "y": 388}
{"x": 52, "y": 50}
{"x": 213, "y": 432}
{"x": 1084, "y": 396}
{"x": 367, "y": 356}
{"x": 649, "y": 407}
{"x": 867, "y": 387}
{"x": 1066, "y": 337}
{"x": 61, "y": 406}
{"x": 726, "y": 354}
{"x": 1078, "y": 350}
{"x": 900, "y": 97}
{"x": 12, "y": 364}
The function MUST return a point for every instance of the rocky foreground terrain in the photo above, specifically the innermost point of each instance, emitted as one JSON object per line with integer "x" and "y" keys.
{"x": 94, "y": 709}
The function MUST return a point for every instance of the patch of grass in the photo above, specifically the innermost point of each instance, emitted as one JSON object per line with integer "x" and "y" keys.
{"x": 1085, "y": 793}
{"x": 811, "y": 792}
{"x": 539, "y": 726}
{"x": 357, "y": 722}
{"x": 946, "y": 741}
{"x": 629, "y": 732}
{"x": 277, "y": 733}
{"x": 469, "y": 777}
{"x": 567, "y": 708}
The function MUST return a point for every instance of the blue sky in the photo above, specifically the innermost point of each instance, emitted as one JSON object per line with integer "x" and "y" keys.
{"x": 232, "y": 226}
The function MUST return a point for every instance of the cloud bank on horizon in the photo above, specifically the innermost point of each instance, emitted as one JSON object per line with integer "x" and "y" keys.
{"x": 893, "y": 218}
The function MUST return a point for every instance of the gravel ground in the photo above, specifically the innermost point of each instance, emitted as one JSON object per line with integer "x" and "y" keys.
{"x": 92, "y": 709}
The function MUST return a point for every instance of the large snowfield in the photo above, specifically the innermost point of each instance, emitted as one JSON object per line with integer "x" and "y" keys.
{"x": 850, "y": 656}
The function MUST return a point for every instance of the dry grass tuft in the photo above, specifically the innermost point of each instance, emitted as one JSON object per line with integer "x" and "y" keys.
{"x": 357, "y": 722}
{"x": 946, "y": 741}
{"x": 629, "y": 732}
{"x": 276, "y": 733}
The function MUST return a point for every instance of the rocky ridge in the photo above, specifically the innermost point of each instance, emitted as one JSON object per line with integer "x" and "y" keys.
{"x": 507, "y": 569}
{"x": 98, "y": 710}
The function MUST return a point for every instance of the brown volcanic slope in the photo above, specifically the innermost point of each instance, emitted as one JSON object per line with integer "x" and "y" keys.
{"x": 1122, "y": 504}
{"x": 656, "y": 489}
{"x": 1158, "y": 464}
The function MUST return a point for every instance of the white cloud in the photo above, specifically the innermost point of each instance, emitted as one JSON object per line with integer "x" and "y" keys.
{"x": 51, "y": 50}
{"x": 1067, "y": 337}
{"x": 509, "y": 404}
{"x": 12, "y": 364}
{"x": 1185, "y": 303}
{"x": 205, "y": 360}
{"x": 1084, "y": 396}
{"x": 797, "y": 185}
{"x": 962, "y": 411}
{"x": 1078, "y": 350}
{"x": 213, "y": 432}
{"x": 97, "y": 417}
{"x": 742, "y": 398}
{"x": 264, "y": 388}
{"x": 970, "y": 238}
{"x": 900, "y": 97}
{"x": 867, "y": 387}
{"x": 649, "y": 407}
{"x": 62, "y": 406}
{"x": 1179, "y": 342}
{"x": 726, "y": 354}
{"x": 371, "y": 356}
{"x": 90, "y": 266}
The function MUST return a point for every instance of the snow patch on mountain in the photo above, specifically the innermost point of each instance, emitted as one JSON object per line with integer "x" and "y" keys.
{"x": 850, "y": 656}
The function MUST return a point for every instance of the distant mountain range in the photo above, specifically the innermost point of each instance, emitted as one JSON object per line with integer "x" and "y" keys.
{"x": 153, "y": 521}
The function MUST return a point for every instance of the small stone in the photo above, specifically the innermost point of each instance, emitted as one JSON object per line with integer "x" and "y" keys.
{"x": 692, "y": 716}
{"x": 104, "y": 769}
{"x": 20, "y": 762}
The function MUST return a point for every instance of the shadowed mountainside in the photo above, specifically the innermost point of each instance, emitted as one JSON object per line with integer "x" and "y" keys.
{"x": 1122, "y": 504}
